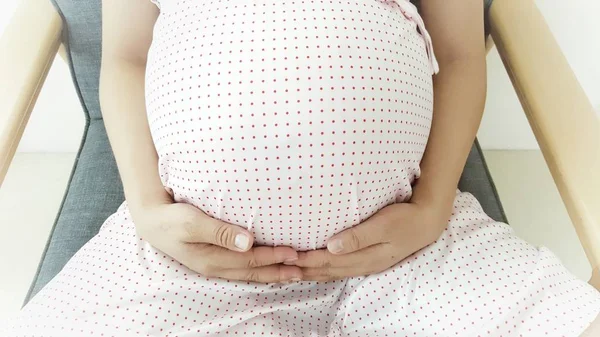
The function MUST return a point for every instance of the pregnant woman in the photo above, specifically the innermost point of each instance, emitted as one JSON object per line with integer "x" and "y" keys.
{"x": 290, "y": 169}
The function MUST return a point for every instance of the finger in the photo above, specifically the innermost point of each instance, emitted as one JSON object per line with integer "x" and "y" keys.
{"x": 222, "y": 258}
{"x": 322, "y": 258}
{"x": 363, "y": 235}
{"x": 364, "y": 262}
{"x": 205, "y": 229}
{"x": 268, "y": 274}
{"x": 330, "y": 274}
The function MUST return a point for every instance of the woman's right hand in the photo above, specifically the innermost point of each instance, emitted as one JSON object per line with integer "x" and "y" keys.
{"x": 201, "y": 243}
{"x": 212, "y": 247}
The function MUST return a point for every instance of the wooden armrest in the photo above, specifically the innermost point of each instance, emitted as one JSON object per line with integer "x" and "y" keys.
{"x": 561, "y": 116}
{"x": 27, "y": 50}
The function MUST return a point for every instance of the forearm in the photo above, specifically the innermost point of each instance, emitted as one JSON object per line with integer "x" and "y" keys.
{"x": 459, "y": 98}
{"x": 124, "y": 111}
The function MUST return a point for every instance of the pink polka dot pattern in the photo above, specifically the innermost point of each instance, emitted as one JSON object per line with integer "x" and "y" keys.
{"x": 294, "y": 119}
{"x": 297, "y": 119}
{"x": 477, "y": 279}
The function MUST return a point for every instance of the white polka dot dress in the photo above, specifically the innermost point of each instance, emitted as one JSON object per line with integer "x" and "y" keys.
{"x": 297, "y": 119}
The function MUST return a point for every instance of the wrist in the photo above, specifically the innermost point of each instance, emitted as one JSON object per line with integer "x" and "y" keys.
{"x": 142, "y": 200}
{"x": 433, "y": 195}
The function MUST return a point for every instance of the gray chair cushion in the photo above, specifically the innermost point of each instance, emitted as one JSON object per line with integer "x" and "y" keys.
{"x": 95, "y": 190}
{"x": 93, "y": 194}
{"x": 476, "y": 179}
{"x": 83, "y": 37}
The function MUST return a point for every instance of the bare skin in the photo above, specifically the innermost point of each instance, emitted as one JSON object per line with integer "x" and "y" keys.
{"x": 203, "y": 244}
{"x": 457, "y": 30}
{"x": 208, "y": 246}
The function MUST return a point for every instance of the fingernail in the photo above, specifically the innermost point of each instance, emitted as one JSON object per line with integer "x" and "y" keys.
{"x": 241, "y": 241}
{"x": 292, "y": 280}
{"x": 290, "y": 261}
{"x": 335, "y": 246}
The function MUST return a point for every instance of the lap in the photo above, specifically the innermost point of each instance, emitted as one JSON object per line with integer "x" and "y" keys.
{"x": 594, "y": 328}
{"x": 477, "y": 277}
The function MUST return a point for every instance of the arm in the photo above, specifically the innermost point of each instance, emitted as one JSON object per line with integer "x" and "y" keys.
{"x": 456, "y": 28}
{"x": 203, "y": 244}
{"x": 398, "y": 230}
{"x": 127, "y": 35}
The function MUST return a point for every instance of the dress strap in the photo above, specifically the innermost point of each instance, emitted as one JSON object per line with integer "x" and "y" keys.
{"x": 410, "y": 12}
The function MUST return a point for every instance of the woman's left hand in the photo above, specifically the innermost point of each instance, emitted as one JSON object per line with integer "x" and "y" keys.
{"x": 377, "y": 244}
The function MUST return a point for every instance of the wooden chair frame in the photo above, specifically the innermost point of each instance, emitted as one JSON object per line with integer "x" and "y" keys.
{"x": 561, "y": 116}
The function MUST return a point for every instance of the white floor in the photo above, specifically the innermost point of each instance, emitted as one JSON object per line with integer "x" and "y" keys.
{"x": 29, "y": 199}
{"x": 33, "y": 190}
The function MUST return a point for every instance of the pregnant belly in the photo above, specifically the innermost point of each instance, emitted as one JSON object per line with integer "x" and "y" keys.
{"x": 297, "y": 181}
{"x": 294, "y": 132}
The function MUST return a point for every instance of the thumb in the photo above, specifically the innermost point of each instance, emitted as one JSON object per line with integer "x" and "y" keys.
{"x": 359, "y": 237}
{"x": 229, "y": 236}
{"x": 206, "y": 229}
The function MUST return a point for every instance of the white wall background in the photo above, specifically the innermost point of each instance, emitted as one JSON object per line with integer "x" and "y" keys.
{"x": 576, "y": 28}
{"x": 57, "y": 120}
